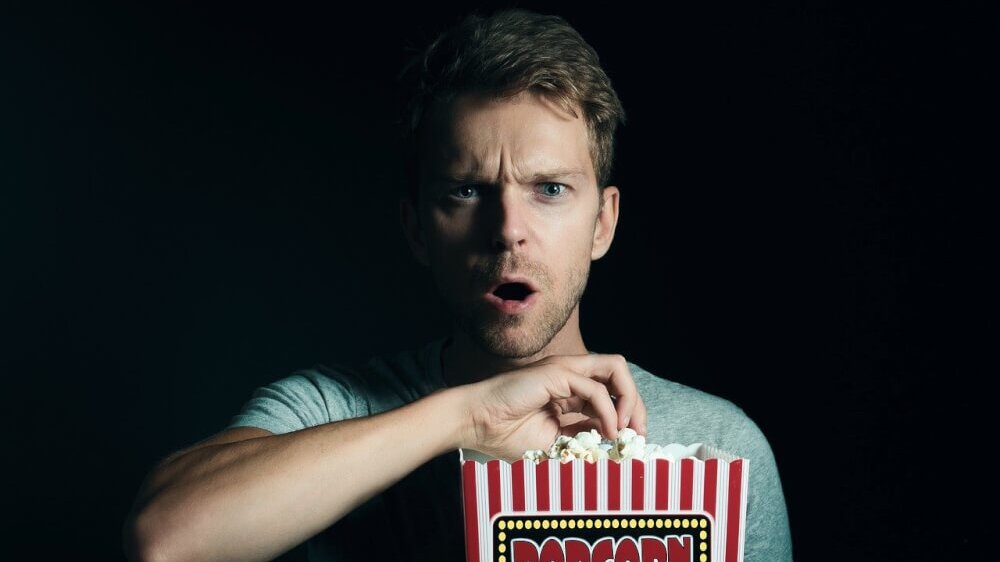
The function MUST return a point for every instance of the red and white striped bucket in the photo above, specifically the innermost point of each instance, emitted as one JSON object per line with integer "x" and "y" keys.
{"x": 693, "y": 509}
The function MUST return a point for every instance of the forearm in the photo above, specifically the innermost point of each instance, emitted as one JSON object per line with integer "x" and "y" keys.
{"x": 254, "y": 499}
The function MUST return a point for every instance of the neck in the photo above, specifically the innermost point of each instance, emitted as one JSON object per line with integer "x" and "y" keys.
{"x": 463, "y": 361}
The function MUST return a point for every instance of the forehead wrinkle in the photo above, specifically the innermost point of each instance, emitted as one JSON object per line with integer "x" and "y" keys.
{"x": 470, "y": 143}
{"x": 511, "y": 173}
{"x": 470, "y": 152}
{"x": 474, "y": 167}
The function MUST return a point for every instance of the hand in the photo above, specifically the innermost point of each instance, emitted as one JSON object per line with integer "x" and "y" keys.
{"x": 529, "y": 407}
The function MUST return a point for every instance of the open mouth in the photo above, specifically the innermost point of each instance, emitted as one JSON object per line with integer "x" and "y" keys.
{"x": 512, "y": 298}
{"x": 513, "y": 291}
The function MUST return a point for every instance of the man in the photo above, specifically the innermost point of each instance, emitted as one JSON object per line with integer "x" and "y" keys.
{"x": 512, "y": 127}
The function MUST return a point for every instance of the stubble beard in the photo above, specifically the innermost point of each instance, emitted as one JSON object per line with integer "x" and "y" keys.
{"x": 519, "y": 336}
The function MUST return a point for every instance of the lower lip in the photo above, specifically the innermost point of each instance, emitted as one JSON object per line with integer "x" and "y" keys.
{"x": 511, "y": 306}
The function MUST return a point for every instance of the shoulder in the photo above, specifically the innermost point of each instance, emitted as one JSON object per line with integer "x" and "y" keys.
{"x": 678, "y": 413}
{"x": 682, "y": 414}
{"x": 661, "y": 389}
{"x": 392, "y": 380}
{"x": 306, "y": 398}
{"x": 337, "y": 391}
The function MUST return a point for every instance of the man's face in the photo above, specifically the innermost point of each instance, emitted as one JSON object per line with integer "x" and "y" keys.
{"x": 509, "y": 189}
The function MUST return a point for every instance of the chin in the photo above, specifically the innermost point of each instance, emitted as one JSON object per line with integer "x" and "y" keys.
{"x": 510, "y": 348}
{"x": 510, "y": 337}
{"x": 511, "y": 340}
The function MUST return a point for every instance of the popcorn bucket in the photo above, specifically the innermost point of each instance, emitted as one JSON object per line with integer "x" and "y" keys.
{"x": 691, "y": 509}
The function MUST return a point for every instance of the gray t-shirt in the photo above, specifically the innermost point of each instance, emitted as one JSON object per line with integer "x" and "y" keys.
{"x": 435, "y": 529}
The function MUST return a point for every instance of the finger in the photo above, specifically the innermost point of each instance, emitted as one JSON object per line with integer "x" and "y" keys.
{"x": 571, "y": 418}
{"x": 583, "y": 426}
{"x": 639, "y": 417}
{"x": 570, "y": 404}
{"x": 577, "y": 404}
{"x": 613, "y": 371}
{"x": 597, "y": 395}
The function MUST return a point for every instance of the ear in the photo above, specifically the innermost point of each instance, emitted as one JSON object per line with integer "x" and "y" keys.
{"x": 607, "y": 220}
{"x": 410, "y": 221}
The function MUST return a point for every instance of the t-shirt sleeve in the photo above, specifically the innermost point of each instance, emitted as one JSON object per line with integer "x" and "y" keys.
{"x": 304, "y": 399}
{"x": 768, "y": 538}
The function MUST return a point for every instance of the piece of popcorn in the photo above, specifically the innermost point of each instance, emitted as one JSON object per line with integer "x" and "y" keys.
{"x": 599, "y": 454}
{"x": 627, "y": 435}
{"x": 591, "y": 447}
{"x": 632, "y": 451}
{"x": 633, "y": 448}
{"x": 615, "y": 453}
{"x": 558, "y": 446}
{"x": 534, "y": 455}
{"x": 588, "y": 439}
{"x": 676, "y": 451}
{"x": 574, "y": 446}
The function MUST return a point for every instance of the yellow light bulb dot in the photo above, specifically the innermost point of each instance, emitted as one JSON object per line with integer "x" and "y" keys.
{"x": 572, "y": 524}
{"x": 562, "y": 523}
{"x": 703, "y": 546}
{"x": 614, "y": 523}
{"x": 503, "y": 558}
{"x": 519, "y": 524}
{"x": 502, "y": 547}
{"x": 659, "y": 523}
{"x": 632, "y": 523}
{"x": 677, "y": 523}
{"x": 579, "y": 523}
{"x": 502, "y": 525}
{"x": 703, "y": 523}
{"x": 545, "y": 524}
{"x": 642, "y": 523}
{"x": 503, "y": 536}
{"x": 607, "y": 524}
{"x": 702, "y": 558}
{"x": 668, "y": 523}
{"x": 649, "y": 523}
{"x": 703, "y": 535}
{"x": 685, "y": 523}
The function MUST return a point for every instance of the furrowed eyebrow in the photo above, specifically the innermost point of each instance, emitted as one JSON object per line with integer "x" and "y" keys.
{"x": 545, "y": 175}
{"x": 562, "y": 173}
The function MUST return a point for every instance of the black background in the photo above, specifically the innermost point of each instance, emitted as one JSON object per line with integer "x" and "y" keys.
{"x": 199, "y": 200}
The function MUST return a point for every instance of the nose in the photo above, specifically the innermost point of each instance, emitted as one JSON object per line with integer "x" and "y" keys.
{"x": 510, "y": 230}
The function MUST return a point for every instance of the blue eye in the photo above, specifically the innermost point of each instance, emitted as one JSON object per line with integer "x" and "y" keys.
{"x": 563, "y": 190}
{"x": 468, "y": 192}
{"x": 463, "y": 188}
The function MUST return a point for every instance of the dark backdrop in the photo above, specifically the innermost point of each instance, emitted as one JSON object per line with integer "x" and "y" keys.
{"x": 199, "y": 200}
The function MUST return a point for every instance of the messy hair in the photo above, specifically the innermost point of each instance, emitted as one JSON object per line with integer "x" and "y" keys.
{"x": 504, "y": 55}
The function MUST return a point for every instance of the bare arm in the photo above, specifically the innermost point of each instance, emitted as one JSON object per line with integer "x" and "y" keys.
{"x": 249, "y": 495}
